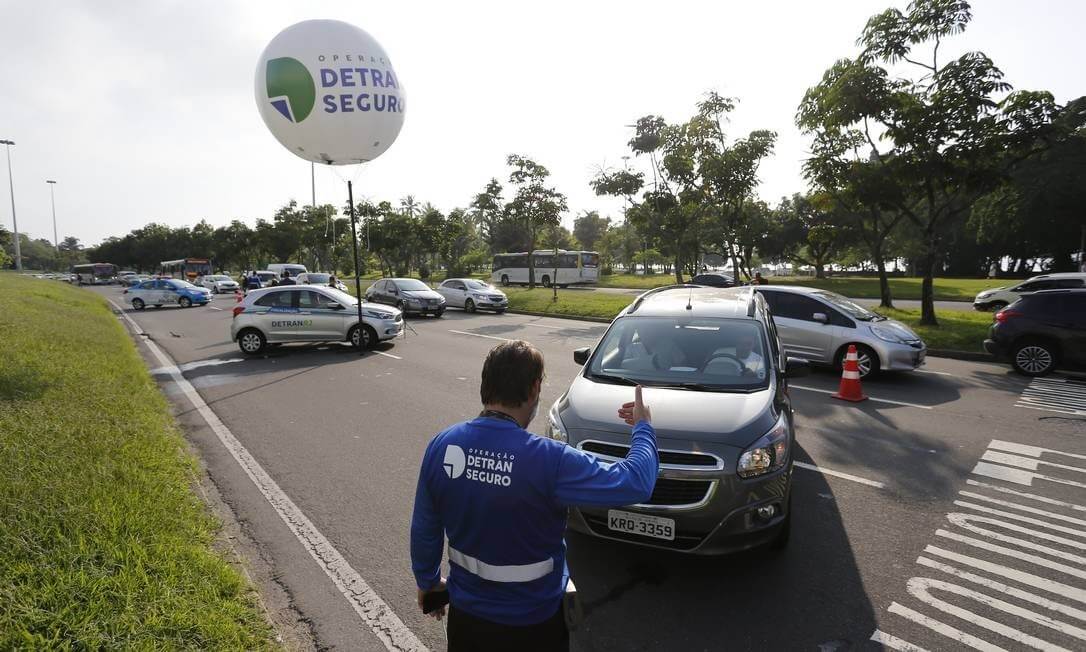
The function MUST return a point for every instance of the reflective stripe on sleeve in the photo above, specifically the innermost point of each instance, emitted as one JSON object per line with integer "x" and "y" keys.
{"x": 522, "y": 573}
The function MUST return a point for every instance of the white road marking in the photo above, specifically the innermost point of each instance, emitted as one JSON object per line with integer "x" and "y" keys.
{"x": 872, "y": 398}
{"x": 1025, "y": 462}
{"x": 929, "y": 371}
{"x": 894, "y": 643}
{"x": 214, "y": 308}
{"x": 1013, "y": 554}
{"x": 1024, "y": 494}
{"x": 1022, "y": 577}
{"x": 489, "y": 337}
{"x": 1031, "y": 510}
{"x": 1061, "y": 395}
{"x": 840, "y": 474}
{"x": 369, "y": 606}
{"x": 1029, "y": 451}
{"x": 388, "y": 355}
{"x": 1004, "y": 588}
{"x": 921, "y": 588}
{"x": 944, "y": 629}
{"x": 969, "y": 522}
{"x": 197, "y": 364}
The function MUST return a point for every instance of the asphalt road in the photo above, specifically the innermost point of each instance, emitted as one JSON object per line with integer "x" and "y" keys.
{"x": 879, "y": 547}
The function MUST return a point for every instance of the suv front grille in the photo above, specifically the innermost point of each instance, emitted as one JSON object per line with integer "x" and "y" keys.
{"x": 666, "y": 457}
{"x": 669, "y": 491}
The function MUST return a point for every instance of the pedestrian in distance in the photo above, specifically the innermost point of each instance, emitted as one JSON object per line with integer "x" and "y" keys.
{"x": 758, "y": 280}
{"x": 500, "y": 495}
{"x": 332, "y": 282}
{"x": 285, "y": 279}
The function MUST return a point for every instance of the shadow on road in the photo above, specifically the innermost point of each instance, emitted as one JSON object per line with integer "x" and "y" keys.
{"x": 809, "y": 596}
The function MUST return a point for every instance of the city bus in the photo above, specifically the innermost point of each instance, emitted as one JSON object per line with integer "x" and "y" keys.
{"x": 95, "y": 273}
{"x": 185, "y": 269}
{"x": 572, "y": 268}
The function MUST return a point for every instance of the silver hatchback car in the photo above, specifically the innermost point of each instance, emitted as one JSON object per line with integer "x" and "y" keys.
{"x": 818, "y": 326}
{"x": 309, "y": 313}
{"x": 716, "y": 377}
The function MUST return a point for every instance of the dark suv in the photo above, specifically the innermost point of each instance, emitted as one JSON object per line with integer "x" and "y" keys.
{"x": 1041, "y": 332}
{"x": 716, "y": 375}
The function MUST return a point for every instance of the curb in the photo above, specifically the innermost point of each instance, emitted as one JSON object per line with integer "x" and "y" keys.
{"x": 971, "y": 356}
{"x": 598, "y": 320}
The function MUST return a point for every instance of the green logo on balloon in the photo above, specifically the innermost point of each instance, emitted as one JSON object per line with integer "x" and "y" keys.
{"x": 290, "y": 88}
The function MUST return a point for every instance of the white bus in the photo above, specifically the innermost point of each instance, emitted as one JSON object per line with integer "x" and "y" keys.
{"x": 572, "y": 268}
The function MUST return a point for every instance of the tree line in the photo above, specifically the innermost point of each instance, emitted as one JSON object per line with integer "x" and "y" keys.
{"x": 931, "y": 161}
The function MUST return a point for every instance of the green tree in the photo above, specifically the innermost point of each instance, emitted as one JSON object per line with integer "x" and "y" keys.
{"x": 489, "y": 212}
{"x": 589, "y": 228}
{"x": 535, "y": 205}
{"x": 948, "y": 133}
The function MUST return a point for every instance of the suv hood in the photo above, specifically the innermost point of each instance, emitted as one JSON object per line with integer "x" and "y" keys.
{"x": 734, "y": 419}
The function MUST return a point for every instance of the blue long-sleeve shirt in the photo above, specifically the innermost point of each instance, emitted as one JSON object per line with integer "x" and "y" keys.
{"x": 500, "y": 494}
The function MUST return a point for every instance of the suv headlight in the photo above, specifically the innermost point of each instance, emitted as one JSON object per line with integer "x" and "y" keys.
{"x": 768, "y": 454}
{"x": 555, "y": 429}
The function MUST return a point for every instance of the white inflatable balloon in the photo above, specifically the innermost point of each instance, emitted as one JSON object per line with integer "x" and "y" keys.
{"x": 328, "y": 92}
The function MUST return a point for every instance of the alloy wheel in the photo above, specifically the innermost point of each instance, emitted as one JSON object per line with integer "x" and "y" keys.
{"x": 250, "y": 342}
{"x": 1033, "y": 359}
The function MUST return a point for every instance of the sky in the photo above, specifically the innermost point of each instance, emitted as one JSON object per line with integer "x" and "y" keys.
{"x": 145, "y": 111}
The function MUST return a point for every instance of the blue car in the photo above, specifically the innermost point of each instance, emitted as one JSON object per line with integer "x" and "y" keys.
{"x": 163, "y": 291}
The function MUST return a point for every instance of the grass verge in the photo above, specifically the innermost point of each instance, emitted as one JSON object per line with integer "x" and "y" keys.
{"x": 103, "y": 545}
{"x": 946, "y": 289}
{"x": 958, "y": 330}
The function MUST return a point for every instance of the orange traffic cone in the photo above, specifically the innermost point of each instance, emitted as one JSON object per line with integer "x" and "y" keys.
{"x": 850, "y": 389}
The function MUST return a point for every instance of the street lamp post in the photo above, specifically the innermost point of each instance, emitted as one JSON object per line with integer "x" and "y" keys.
{"x": 14, "y": 223}
{"x": 53, "y": 201}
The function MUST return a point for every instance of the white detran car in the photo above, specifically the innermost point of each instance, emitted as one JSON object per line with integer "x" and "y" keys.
{"x": 472, "y": 294}
{"x": 999, "y": 298}
{"x": 319, "y": 278}
{"x": 309, "y": 313}
{"x": 219, "y": 283}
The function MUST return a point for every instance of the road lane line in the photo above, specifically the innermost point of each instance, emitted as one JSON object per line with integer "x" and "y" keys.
{"x": 880, "y": 400}
{"x": 929, "y": 371}
{"x": 388, "y": 355}
{"x": 1013, "y": 554}
{"x": 1004, "y": 588}
{"x": 374, "y": 612}
{"x": 894, "y": 643}
{"x": 1026, "y": 494}
{"x": 944, "y": 629}
{"x": 1027, "y": 450}
{"x": 969, "y": 522}
{"x": 1023, "y": 508}
{"x": 840, "y": 474}
{"x": 214, "y": 308}
{"x": 489, "y": 337}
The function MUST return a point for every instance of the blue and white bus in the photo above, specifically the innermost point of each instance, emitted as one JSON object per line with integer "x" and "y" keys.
{"x": 568, "y": 268}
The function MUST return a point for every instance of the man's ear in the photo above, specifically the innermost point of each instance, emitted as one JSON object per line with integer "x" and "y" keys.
{"x": 537, "y": 388}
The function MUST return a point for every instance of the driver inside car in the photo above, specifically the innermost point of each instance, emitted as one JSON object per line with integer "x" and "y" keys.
{"x": 743, "y": 351}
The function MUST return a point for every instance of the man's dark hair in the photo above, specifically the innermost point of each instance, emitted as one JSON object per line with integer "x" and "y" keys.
{"x": 509, "y": 372}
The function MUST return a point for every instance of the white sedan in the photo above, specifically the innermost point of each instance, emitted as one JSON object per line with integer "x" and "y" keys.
{"x": 472, "y": 294}
{"x": 319, "y": 278}
{"x": 219, "y": 283}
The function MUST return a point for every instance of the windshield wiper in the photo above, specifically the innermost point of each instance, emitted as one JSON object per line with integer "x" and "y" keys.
{"x": 618, "y": 380}
{"x": 699, "y": 387}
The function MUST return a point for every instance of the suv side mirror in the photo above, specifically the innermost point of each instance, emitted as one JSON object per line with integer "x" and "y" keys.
{"x": 580, "y": 356}
{"x": 820, "y": 317}
{"x": 796, "y": 368}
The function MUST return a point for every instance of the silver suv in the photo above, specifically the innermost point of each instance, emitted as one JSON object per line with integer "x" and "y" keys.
{"x": 716, "y": 377}
{"x": 309, "y": 313}
{"x": 818, "y": 326}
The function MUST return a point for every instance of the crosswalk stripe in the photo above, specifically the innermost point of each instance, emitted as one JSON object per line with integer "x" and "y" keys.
{"x": 1063, "y": 396}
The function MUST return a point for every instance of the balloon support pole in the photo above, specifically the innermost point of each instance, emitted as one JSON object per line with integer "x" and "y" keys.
{"x": 357, "y": 270}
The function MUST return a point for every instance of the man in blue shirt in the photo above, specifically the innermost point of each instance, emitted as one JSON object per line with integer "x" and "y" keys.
{"x": 500, "y": 495}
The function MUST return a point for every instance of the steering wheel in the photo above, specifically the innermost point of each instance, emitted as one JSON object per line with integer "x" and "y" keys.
{"x": 739, "y": 366}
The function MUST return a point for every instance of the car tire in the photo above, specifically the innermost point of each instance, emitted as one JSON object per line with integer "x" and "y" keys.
{"x": 138, "y": 304}
{"x": 362, "y": 338}
{"x": 184, "y": 302}
{"x": 469, "y": 306}
{"x": 546, "y": 281}
{"x": 505, "y": 280}
{"x": 251, "y": 341}
{"x": 1034, "y": 358}
{"x": 866, "y": 357}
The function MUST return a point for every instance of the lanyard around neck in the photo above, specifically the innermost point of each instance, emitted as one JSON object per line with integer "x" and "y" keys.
{"x": 494, "y": 414}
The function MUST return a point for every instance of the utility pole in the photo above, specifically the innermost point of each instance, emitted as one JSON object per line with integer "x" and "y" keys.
{"x": 53, "y": 201}
{"x": 313, "y": 184}
{"x": 14, "y": 223}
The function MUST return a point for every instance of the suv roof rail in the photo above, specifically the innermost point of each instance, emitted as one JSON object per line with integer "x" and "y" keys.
{"x": 637, "y": 302}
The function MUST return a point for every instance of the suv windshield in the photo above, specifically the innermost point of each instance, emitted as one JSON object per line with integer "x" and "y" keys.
{"x": 411, "y": 285}
{"x": 848, "y": 306}
{"x": 700, "y": 354}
